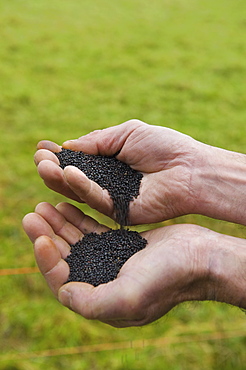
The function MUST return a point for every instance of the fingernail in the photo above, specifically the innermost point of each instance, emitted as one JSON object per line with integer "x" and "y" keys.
{"x": 67, "y": 143}
{"x": 70, "y": 141}
{"x": 65, "y": 298}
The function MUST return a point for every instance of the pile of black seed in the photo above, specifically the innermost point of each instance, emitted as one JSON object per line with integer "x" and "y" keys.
{"x": 121, "y": 181}
{"x": 97, "y": 258}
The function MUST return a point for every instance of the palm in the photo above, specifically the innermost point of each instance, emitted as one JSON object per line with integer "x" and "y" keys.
{"x": 142, "y": 281}
{"x": 160, "y": 154}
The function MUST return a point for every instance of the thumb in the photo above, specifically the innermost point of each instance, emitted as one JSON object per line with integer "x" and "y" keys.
{"x": 115, "y": 301}
{"x": 108, "y": 141}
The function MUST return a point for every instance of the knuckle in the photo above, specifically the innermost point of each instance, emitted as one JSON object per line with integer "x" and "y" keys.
{"x": 136, "y": 122}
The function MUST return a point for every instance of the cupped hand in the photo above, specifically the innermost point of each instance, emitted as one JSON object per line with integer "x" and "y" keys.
{"x": 148, "y": 285}
{"x": 164, "y": 156}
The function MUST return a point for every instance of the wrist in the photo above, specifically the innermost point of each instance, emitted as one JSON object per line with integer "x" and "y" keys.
{"x": 218, "y": 184}
{"x": 227, "y": 273}
{"x": 197, "y": 246}
{"x": 215, "y": 268}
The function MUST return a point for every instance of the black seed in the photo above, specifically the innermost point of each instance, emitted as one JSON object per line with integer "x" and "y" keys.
{"x": 121, "y": 181}
{"x": 98, "y": 258}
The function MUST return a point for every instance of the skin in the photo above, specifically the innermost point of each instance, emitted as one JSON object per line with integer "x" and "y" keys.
{"x": 180, "y": 263}
{"x": 180, "y": 175}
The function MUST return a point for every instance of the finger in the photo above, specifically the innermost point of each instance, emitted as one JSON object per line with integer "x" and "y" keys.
{"x": 88, "y": 190}
{"x": 44, "y": 154}
{"x": 75, "y": 216}
{"x": 53, "y": 177}
{"x": 36, "y": 226}
{"x": 58, "y": 223}
{"x": 50, "y": 262}
{"x": 104, "y": 142}
{"x": 49, "y": 145}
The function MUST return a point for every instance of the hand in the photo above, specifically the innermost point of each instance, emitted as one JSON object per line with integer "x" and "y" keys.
{"x": 180, "y": 174}
{"x": 164, "y": 156}
{"x": 179, "y": 264}
{"x": 149, "y": 284}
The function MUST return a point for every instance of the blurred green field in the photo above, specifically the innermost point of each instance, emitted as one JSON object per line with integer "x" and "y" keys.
{"x": 69, "y": 67}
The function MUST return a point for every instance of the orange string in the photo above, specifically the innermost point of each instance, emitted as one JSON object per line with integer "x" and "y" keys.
{"x": 135, "y": 344}
{"x": 19, "y": 271}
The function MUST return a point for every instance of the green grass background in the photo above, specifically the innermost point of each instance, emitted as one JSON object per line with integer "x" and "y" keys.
{"x": 69, "y": 67}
